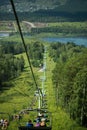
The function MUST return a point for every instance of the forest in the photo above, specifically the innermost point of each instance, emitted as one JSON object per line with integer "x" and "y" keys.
{"x": 44, "y": 16}
{"x": 55, "y": 79}
{"x": 70, "y": 79}
{"x": 69, "y": 75}
{"x": 10, "y": 65}
{"x": 70, "y": 30}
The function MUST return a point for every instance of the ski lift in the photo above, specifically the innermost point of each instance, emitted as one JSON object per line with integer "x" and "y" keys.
{"x": 42, "y": 114}
{"x": 36, "y": 93}
{"x": 22, "y": 127}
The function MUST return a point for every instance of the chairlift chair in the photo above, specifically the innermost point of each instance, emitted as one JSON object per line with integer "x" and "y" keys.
{"x": 48, "y": 127}
{"x": 34, "y": 128}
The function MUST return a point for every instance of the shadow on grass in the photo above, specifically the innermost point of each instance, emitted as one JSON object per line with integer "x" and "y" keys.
{"x": 5, "y": 86}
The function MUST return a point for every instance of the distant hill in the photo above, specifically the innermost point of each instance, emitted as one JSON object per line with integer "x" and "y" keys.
{"x": 56, "y": 8}
{"x": 31, "y": 5}
{"x": 74, "y": 6}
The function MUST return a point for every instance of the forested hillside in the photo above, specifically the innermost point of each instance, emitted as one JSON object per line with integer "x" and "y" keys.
{"x": 36, "y": 10}
{"x": 34, "y": 5}
{"x": 70, "y": 79}
{"x": 12, "y": 66}
{"x": 37, "y": 72}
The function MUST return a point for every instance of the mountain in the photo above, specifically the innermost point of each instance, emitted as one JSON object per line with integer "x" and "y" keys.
{"x": 34, "y": 5}
{"x": 31, "y": 5}
{"x": 74, "y": 6}
{"x": 56, "y": 8}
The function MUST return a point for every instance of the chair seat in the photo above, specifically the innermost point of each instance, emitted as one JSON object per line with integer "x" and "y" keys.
{"x": 34, "y": 128}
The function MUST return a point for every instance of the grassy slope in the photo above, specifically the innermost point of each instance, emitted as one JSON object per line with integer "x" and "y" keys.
{"x": 19, "y": 95}
{"x": 15, "y": 99}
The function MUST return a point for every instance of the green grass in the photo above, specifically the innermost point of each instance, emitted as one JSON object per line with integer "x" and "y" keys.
{"x": 71, "y": 24}
{"x": 7, "y": 26}
{"x": 19, "y": 96}
{"x": 68, "y": 29}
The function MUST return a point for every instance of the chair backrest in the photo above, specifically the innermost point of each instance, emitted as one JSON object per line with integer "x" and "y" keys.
{"x": 34, "y": 128}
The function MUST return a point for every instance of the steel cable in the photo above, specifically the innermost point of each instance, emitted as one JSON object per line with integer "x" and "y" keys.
{"x": 23, "y": 41}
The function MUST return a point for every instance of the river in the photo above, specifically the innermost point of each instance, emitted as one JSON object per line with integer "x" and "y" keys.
{"x": 4, "y": 35}
{"x": 76, "y": 40}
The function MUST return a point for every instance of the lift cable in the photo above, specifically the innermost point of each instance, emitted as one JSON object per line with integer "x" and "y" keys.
{"x": 23, "y": 41}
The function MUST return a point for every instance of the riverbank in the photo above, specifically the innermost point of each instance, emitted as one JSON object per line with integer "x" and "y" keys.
{"x": 50, "y": 39}
{"x": 76, "y": 40}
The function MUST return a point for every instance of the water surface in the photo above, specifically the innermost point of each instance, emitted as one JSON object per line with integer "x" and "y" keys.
{"x": 4, "y": 35}
{"x": 76, "y": 40}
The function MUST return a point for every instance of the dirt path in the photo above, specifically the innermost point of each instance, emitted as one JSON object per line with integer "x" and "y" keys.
{"x": 29, "y": 23}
